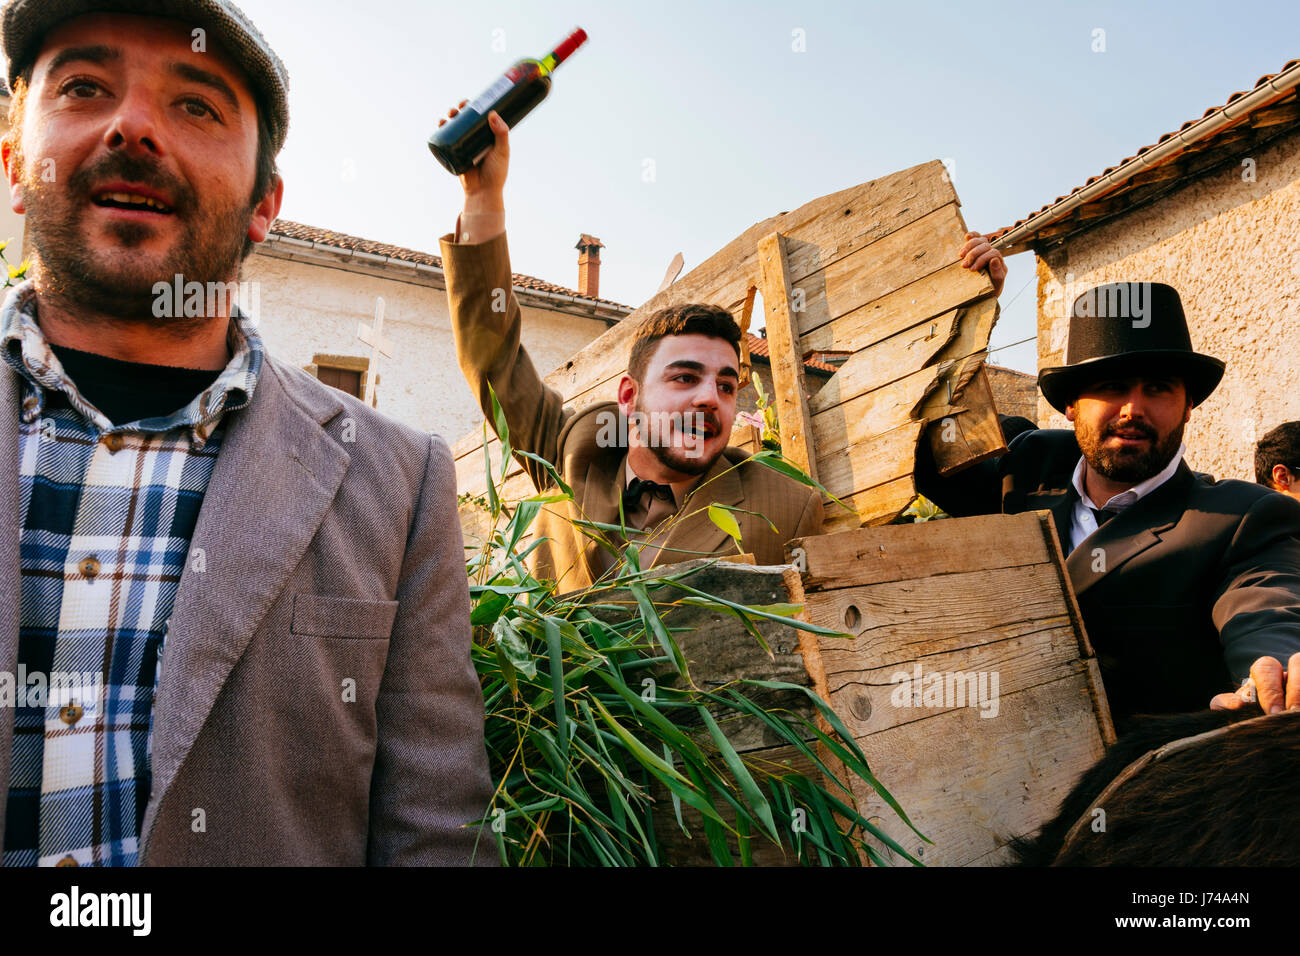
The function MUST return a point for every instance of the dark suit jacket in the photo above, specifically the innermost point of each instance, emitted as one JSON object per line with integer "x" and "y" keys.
{"x": 1180, "y": 593}
{"x": 487, "y": 344}
{"x": 333, "y": 553}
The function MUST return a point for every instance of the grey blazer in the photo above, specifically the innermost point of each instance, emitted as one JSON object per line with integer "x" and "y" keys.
{"x": 332, "y": 553}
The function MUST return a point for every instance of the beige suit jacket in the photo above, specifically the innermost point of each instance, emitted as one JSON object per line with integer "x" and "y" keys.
{"x": 332, "y": 560}
{"x": 488, "y": 346}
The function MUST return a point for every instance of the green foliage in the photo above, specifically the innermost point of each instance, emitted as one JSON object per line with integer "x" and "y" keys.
{"x": 593, "y": 720}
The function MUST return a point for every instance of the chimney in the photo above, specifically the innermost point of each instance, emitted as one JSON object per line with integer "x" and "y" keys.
{"x": 589, "y": 265}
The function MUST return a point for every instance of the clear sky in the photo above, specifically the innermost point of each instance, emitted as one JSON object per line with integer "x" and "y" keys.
{"x": 738, "y": 123}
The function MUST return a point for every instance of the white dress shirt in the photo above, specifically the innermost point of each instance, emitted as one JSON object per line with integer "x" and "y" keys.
{"x": 1085, "y": 523}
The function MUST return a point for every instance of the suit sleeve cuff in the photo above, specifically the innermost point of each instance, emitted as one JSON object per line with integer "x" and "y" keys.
{"x": 491, "y": 256}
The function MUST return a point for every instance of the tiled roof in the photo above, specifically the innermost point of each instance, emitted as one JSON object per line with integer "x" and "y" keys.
{"x": 1146, "y": 182}
{"x": 339, "y": 240}
{"x": 758, "y": 346}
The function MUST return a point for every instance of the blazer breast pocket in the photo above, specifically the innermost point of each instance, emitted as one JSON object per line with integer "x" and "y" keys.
{"x": 323, "y": 615}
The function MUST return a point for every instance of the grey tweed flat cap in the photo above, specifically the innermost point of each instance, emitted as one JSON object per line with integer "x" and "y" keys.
{"x": 26, "y": 22}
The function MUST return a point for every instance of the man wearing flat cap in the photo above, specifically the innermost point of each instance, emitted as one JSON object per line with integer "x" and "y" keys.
{"x": 256, "y": 580}
{"x": 1187, "y": 586}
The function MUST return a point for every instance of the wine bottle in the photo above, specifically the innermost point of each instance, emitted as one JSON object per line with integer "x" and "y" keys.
{"x": 463, "y": 140}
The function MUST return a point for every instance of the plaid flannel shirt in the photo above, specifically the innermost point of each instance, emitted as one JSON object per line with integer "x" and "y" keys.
{"x": 107, "y": 513}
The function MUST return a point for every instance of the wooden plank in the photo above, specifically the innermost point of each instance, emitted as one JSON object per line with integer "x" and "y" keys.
{"x": 895, "y": 692}
{"x": 904, "y": 552}
{"x": 901, "y": 309}
{"x": 871, "y": 464}
{"x": 850, "y": 427}
{"x": 966, "y": 428}
{"x": 955, "y": 606}
{"x": 969, "y": 434}
{"x": 674, "y": 270}
{"x": 968, "y": 683}
{"x": 901, "y": 258}
{"x": 963, "y": 355}
{"x": 786, "y": 357}
{"x": 875, "y": 506}
{"x": 887, "y": 361}
{"x": 971, "y": 784}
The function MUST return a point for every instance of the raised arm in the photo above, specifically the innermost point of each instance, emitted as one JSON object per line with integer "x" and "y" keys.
{"x": 485, "y": 317}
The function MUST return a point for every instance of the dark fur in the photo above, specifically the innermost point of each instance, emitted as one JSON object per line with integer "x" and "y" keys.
{"x": 1232, "y": 801}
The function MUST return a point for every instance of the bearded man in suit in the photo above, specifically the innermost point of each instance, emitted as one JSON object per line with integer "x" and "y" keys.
{"x": 1186, "y": 585}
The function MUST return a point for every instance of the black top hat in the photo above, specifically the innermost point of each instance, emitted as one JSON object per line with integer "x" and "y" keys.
{"x": 1124, "y": 329}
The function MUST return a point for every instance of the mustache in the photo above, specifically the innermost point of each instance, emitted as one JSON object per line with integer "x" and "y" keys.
{"x": 1143, "y": 429}
{"x": 703, "y": 418}
{"x": 135, "y": 169}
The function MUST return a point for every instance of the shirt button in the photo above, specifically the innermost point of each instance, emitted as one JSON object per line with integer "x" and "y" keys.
{"x": 68, "y": 860}
{"x": 71, "y": 714}
{"x": 114, "y": 442}
{"x": 89, "y": 567}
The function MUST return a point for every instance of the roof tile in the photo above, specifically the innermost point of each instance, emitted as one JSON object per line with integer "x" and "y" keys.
{"x": 340, "y": 240}
{"x": 1163, "y": 139}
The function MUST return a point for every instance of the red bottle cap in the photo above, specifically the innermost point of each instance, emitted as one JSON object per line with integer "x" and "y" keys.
{"x": 574, "y": 40}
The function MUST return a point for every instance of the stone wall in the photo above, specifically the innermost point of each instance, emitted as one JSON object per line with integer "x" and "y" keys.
{"x": 1014, "y": 393}
{"x": 1232, "y": 249}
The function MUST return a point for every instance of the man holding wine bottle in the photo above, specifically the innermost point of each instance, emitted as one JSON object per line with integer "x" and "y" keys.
{"x": 682, "y": 380}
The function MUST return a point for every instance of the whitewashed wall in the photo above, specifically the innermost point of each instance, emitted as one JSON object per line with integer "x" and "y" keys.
{"x": 305, "y": 308}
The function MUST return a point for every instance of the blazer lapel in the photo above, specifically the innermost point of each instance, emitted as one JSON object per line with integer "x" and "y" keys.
{"x": 275, "y": 477}
{"x": 1130, "y": 532}
{"x": 10, "y": 580}
{"x": 600, "y": 495}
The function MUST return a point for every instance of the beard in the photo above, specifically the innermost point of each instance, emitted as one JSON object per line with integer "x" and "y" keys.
{"x": 117, "y": 278}
{"x": 680, "y": 460}
{"x": 1123, "y": 465}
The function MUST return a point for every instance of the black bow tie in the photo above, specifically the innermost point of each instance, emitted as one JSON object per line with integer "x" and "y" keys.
{"x": 638, "y": 487}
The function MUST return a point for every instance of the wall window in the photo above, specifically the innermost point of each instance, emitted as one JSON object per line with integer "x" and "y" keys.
{"x": 347, "y": 373}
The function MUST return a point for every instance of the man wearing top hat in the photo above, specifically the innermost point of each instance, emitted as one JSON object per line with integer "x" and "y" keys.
{"x": 1187, "y": 585}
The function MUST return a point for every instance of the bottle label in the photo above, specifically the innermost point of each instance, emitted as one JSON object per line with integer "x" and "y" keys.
{"x": 493, "y": 93}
